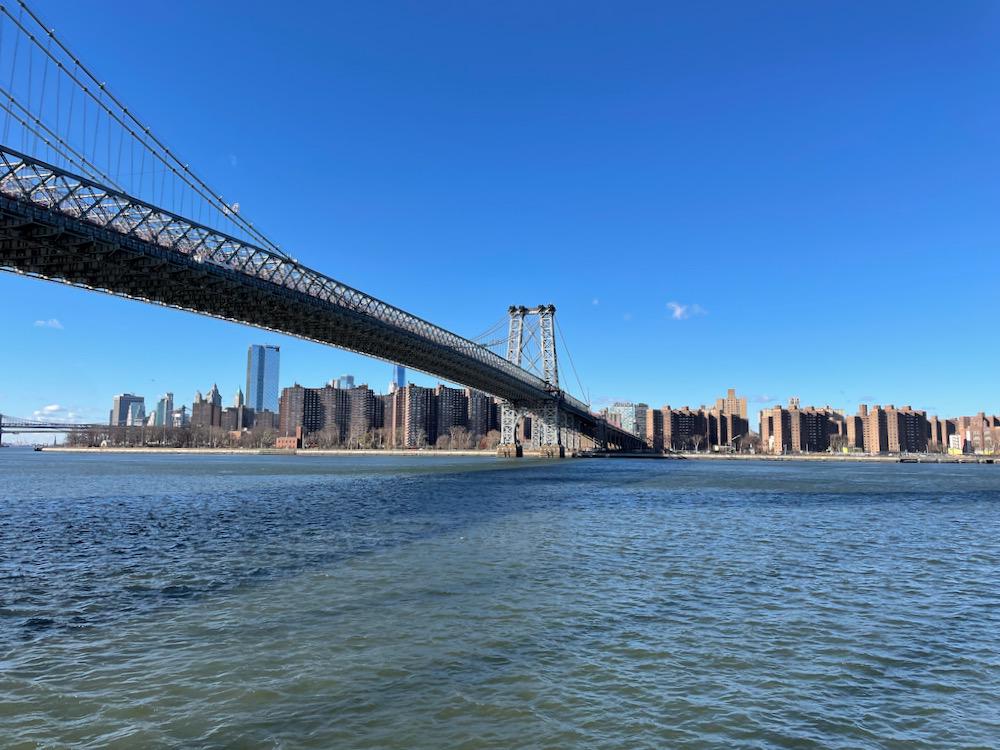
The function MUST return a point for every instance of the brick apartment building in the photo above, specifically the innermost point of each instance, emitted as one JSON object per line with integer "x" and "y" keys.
{"x": 716, "y": 428}
{"x": 797, "y": 429}
{"x": 410, "y": 417}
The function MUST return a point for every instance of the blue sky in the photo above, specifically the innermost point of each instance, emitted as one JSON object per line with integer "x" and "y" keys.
{"x": 793, "y": 199}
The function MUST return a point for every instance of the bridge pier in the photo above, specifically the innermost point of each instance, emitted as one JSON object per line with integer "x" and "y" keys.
{"x": 546, "y": 430}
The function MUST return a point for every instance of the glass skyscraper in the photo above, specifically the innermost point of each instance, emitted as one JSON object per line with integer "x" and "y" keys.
{"x": 164, "y": 408}
{"x": 398, "y": 378}
{"x": 262, "y": 377}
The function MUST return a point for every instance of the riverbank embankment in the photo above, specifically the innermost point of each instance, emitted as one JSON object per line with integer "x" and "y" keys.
{"x": 433, "y": 453}
{"x": 274, "y": 451}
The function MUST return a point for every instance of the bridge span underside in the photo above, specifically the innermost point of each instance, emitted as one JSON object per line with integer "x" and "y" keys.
{"x": 65, "y": 228}
{"x": 72, "y": 252}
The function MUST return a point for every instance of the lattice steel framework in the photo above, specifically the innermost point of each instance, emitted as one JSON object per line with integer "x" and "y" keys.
{"x": 19, "y": 424}
{"x": 547, "y": 422}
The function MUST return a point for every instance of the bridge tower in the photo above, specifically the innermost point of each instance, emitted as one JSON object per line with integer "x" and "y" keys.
{"x": 531, "y": 344}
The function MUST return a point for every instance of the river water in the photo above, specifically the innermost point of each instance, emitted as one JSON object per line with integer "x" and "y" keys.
{"x": 377, "y": 602}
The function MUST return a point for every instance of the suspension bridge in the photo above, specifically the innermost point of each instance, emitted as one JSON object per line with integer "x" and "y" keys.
{"x": 90, "y": 197}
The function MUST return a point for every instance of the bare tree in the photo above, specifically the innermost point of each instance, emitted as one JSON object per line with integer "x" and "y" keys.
{"x": 460, "y": 438}
{"x": 696, "y": 440}
{"x": 327, "y": 438}
{"x": 838, "y": 443}
{"x": 492, "y": 440}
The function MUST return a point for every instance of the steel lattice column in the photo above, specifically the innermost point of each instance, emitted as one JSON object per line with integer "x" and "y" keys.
{"x": 546, "y": 433}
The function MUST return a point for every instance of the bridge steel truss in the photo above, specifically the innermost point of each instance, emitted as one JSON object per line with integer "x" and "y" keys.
{"x": 18, "y": 426}
{"x": 548, "y": 421}
{"x": 62, "y": 227}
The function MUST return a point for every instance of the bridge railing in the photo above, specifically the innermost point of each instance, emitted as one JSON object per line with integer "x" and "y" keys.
{"x": 30, "y": 180}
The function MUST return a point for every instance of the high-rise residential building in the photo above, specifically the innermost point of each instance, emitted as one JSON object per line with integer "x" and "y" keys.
{"x": 732, "y": 404}
{"x": 684, "y": 428}
{"x": 892, "y": 430}
{"x": 714, "y": 429}
{"x": 418, "y": 417}
{"x": 855, "y": 426}
{"x": 340, "y": 414}
{"x": 262, "y": 377}
{"x": 654, "y": 430}
{"x": 641, "y": 410}
{"x": 127, "y": 409}
{"x": 452, "y": 410}
{"x": 410, "y": 417}
{"x": 161, "y": 417}
{"x": 797, "y": 429}
{"x": 940, "y": 432}
{"x": 483, "y": 413}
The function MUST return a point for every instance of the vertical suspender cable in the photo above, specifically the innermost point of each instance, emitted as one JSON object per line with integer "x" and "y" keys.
{"x": 13, "y": 68}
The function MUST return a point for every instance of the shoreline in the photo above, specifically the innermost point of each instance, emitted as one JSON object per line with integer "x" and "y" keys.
{"x": 825, "y": 457}
{"x": 274, "y": 451}
{"x": 842, "y": 458}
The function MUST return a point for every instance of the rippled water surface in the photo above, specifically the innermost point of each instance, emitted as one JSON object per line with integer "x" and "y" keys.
{"x": 268, "y": 601}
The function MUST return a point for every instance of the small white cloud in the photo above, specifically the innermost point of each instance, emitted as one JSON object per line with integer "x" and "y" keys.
{"x": 679, "y": 311}
{"x": 50, "y": 323}
{"x": 57, "y": 413}
{"x": 595, "y": 301}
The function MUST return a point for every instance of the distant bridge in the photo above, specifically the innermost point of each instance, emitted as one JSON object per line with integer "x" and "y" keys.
{"x": 18, "y": 426}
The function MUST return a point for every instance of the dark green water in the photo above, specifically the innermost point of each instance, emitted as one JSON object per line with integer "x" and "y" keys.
{"x": 286, "y": 602}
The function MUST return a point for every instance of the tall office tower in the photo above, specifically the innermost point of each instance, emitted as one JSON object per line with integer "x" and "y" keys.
{"x": 127, "y": 409}
{"x": 136, "y": 414}
{"x": 398, "y": 378}
{"x": 163, "y": 408}
{"x": 262, "y": 377}
{"x": 345, "y": 381}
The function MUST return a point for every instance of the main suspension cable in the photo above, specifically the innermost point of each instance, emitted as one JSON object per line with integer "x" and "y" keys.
{"x": 161, "y": 152}
{"x": 569, "y": 355}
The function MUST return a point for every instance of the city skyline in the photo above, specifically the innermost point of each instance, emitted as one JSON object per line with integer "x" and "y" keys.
{"x": 659, "y": 178}
{"x": 152, "y": 405}
{"x": 343, "y": 413}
